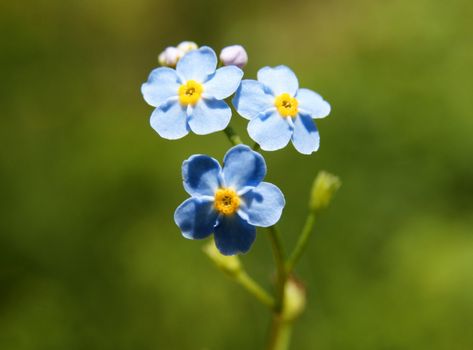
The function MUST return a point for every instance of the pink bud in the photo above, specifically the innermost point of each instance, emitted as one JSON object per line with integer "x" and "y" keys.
{"x": 234, "y": 55}
{"x": 169, "y": 57}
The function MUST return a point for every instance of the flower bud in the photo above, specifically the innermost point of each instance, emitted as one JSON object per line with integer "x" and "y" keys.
{"x": 294, "y": 299}
{"x": 324, "y": 187}
{"x": 234, "y": 55}
{"x": 186, "y": 46}
{"x": 169, "y": 57}
{"x": 229, "y": 264}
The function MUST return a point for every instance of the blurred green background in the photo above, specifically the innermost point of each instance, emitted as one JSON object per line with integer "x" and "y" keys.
{"x": 89, "y": 255}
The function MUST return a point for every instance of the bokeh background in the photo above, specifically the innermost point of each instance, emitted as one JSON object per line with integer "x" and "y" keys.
{"x": 89, "y": 255}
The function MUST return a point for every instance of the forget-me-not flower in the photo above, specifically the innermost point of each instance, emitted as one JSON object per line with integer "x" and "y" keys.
{"x": 279, "y": 111}
{"x": 191, "y": 96}
{"x": 228, "y": 201}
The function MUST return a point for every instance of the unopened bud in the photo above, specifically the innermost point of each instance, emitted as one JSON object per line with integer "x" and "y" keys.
{"x": 186, "y": 46}
{"x": 234, "y": 55}
{"x": 324, "y": 187}
{"x": 229, "y": 264}
{"x": 169, "y": 57}
{"x": 294, "y": 299}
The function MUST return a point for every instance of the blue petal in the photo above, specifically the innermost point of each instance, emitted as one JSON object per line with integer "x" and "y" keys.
{"x": 271, "y": 132}
{"x": 279, "y": 79}
{"x": 201, "y": 175}
{"x": 170, "y": 121}
{"x": 162, "y": 83}
{"x": 233, "y": 235}
{"x": 263, "y": 204}
{"x": 196, "y": 218}
{"x": 306, "y": 137}
{"x": 208, "y": 116}
{"x": 223, "y": 82}
{"x": 252, "y": 99}
{"x": 197, "y": 64}
{"x": 312, "y": 104}
{"x": 243, "y": 167}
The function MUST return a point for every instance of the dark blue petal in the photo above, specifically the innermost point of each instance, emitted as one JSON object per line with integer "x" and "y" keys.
{"x": 201, "y": 175}
{"x": 243, "y": 167}
{"x": 196, "y": 218}
{"x": 233, "y": 235}
{"x": 263, "y": 204}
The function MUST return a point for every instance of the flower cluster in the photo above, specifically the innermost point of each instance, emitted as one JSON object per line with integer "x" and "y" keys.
{"x": 188, "y": 93}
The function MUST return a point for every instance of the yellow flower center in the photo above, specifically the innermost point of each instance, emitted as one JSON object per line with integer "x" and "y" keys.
{"x": 226, "y": 201}
{"x": 190, "y": 93}
{"x": 286, "y": 105}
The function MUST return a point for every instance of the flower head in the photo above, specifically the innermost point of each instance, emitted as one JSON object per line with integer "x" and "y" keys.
{"x": 279, "y": 111}
{"x": 235, "y": 54}
{"x": 191, "y": 96}
{"x": 228, "y": 201}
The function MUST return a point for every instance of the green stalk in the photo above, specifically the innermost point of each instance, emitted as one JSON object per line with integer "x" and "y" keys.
{"x": 301, "y": 242}
{"x": 280, "y": 335}
{"x": 254, "y": 288}
{"x": 232, "y": 136}
{"x": 278, "y": 253}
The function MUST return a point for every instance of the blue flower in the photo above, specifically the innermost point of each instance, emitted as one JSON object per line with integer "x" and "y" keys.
{"x": 279, "y": 111}
{"x": 190, "y": 97}
{"x": 228, "y": 202}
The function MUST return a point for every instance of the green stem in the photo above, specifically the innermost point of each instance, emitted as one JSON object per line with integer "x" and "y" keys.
{"x": 280, "y": 333}
{"x": 232, "y": 136}
{"x": 301, "y": 242}
{"x": 280, "y": 329}
{"x": 254, "y": 288}
{"x": 278, "y": 253}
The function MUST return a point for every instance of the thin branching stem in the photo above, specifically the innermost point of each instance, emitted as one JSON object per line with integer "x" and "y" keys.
{"x": 232, "y": 136}
{"x": 255, "y": 289}
{"x": 278, "y": 253}
{"x": 301, "y": 242}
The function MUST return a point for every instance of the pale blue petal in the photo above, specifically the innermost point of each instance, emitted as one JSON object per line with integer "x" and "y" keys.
{"x": 162, "y": 83}
{"x": 263, "y": 205}
{"x": 208, "y": 116}
{"x": 223, "y": 82}
{"x": 170, "y": 121}
{"x": 243, "y": 167}
{"x": 312, "y": 104}
{"x": 271, "y": 132}
{"x": 233, "y": 235}
{"x": 201, "y": 175}
{"x": 197, "y": 64}
{"x": 306, "y": 137}
{"x": 196, "y": 218}
{"x": 279, "y": 79}
{"x": 252, "y": 99}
